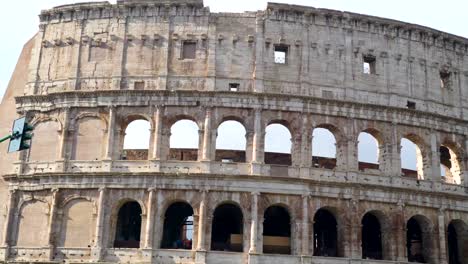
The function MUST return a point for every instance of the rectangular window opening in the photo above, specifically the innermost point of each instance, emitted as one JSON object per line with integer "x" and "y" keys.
{"x": 139, "y": 85}
{"x": 281, "y": 54}
{"x": 411, "y": 105}
{"x": 234, "y": 87}
{"x": 444, "y": 79}
{"x": 369, "y": 64}
{"x": 189, "y": 49}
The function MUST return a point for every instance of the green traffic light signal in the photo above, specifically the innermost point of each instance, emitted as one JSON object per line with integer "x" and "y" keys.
{"x": 26, "y": 136}
{"x": 21, "y": 134}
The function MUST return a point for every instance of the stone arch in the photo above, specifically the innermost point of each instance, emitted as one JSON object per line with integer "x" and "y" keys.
{"x": 227, "y": 227}
{"x": 46, "y": 143}
{"x": 326, "y": 235}
{"x": 421, "y": 156}
{"x": 178, "y": 226}
{"x": 419, "y": 239}
{"x": 386, "y": 231}
{"x": 128, "y": 227}
{"x": 135, "y": 136}
{"x": 325, "y": 138}
{"x": 451, "y": 160}
{"x": 372, "y": 238}
{"x": 184, "y": 138}
{"x": 277, "y": 223}
{"x": 231, "y": 141}
{"x": 457, "y": 242}
{"x": 33, "y": 224}
{"x": 77, "y": 213}
{"x": 278, "y": 142}
{"x": 90, "y": 137}
{"x": 366, "y": 140}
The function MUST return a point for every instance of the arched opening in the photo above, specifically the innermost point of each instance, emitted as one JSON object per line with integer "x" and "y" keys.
{"x": 128, "y": 228}
{"x": 371, "y": 237}
{"x": 89, "y": 131}
{"x": 231, "y": 142}
{"x": 325, "y": 234}
{"x": 227, "y": 228}
{"x": 323, "y": 148}
{"x": 368, "y": 151}
{"x": 137, "y": 140}
{"x": 278, "y": 145}
{"x": 418, "y": 241}
{"x": 178, "y": 226}
{"x": 449, "y": 165}
{"x": 276, "y": 231}
{"x": 46, "y": 140}
{"x": 411, "y": 159}
{"x": 184, "y": 141}
{"x": 453, "y": 247}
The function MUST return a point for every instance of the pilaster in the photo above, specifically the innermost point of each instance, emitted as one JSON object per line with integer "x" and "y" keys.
{"x": 201, "y": 223}
{"x": 157, "y": 136}
{"x": 51, "y": 230}
{"x": 98, "y": 247}
{"x": 254, "y": 225}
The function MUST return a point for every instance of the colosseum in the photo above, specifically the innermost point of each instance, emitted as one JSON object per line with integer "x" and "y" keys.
{"x": 79, "y": 195}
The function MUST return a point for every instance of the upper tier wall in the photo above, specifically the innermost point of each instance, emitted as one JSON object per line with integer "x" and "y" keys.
{"x": 139, "y": 45}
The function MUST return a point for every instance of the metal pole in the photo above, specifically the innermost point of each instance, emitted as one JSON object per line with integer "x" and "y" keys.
{"x": 5, "y": 138}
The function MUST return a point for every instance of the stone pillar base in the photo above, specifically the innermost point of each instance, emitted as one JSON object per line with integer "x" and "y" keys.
{"x": 253, "y": 258}
{"x": 97, "y": 254}
{"x": 256, "y": 168}
{"x": 107, "y": 165}
{"x": 4, "y": 253}
{"x": 200, "y": 257}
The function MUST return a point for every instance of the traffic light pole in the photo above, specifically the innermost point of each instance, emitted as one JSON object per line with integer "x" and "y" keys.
{"x": 6, "y": 138}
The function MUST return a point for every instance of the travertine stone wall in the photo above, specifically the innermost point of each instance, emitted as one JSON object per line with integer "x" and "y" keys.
{"x": 93, "y": 68}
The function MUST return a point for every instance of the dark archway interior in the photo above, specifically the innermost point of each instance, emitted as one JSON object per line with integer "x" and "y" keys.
{"x": 371, "y": 237}
{"x": 414, "y": 241}
{"x": 445, "y": 157}
{"x": 276, "y": 231}
{"x": 178, "y": 226}
{"x": 128, "y": 227}
{"x": 452, "y": 239}
{"x": 325, "y": 234}
{"x": 226, "y": 233}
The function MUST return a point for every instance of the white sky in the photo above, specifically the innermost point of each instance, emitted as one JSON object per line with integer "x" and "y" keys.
{"x": 19, "y": 19}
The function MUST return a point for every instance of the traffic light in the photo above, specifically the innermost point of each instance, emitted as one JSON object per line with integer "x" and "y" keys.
{"x": 21, "y": 135}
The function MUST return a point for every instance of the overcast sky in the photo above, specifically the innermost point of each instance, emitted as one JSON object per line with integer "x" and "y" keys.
{"x": 19, "y": 19}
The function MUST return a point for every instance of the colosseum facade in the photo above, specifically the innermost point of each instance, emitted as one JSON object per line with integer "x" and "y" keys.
{"x": 93, "y": 68}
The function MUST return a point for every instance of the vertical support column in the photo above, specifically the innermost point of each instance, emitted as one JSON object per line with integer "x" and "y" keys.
{"x": 257, "y": 146}
{"x": 254, "y": 224}
{"x": 201, "y": 223}
{"x": 110, "y": 134}
{"x": 465, "y": 167}
{"x": 296, "y": 150}
{"x": 99, "y": 239}
{"x": 157, "y": 136}
{"x": 148, "y": 243}
{"x": 306, "y": 143}
{"x": 64, "y": 138}
{"x": 354, "y": 231}
{"x": 435, "y": 158}
{"x": 207, "y": 146}
{"x": 50, "y": 228}
{"x": 8, "y": 228}
{"x": 395, "y": 158}
{"x": 400, "y": 233}
{"x": 442, "y": 237}
{"x": 258, "y": 55}
{"x": 305, "y": 226}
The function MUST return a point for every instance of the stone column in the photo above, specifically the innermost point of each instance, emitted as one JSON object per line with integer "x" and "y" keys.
{"x": 8, "y": 227}
{"x": 157, "y": 136}
{"x": 207, "y": 137}
{"x": 305, "y": 226}
{"x": 400, "y": 233}
{"x": 110, "y": 134}
{"x": 442, "y": 237}
{"x": 201, "y": 223}
{"x": 306, "y": 143}
{"x": 395, "y": 153}
{"x": 257, "y": 148}
{"x": 258, "y": 73}
{"x": 50, "y": 228}
{"x": 148, "y": 243}
{"x": 254, "y": 224}
{"x": 435, "y": 159}
{"x": 63, "y": 139}
{"x": 99, "y": 239}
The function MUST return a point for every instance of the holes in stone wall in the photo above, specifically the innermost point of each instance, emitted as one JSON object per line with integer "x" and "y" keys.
{"x": 449, "y": 165}
{"x": 445, "y": 80}
{"x": 189, "y": 50}
{"x": 184, "y": 140}
{"x": 323, "y": 148}
{"x": 234, "y": 87}
{"x": 415, "y": 244}
{"x": 281, "y": 54}
{"x": 411, "y": 105}
{"x": 277, "y": 144}
{"x": 128, "y": 228}
{"x": 276, "y": 231}
{"x": 369, "y": 64}
{"x": 325, "y": 234}
{"x": 227, "y": 228}
{"x": 178, "y": 226}
{"x": 231, "y": 142}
